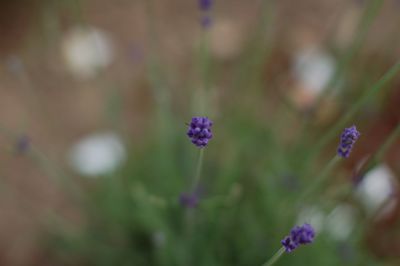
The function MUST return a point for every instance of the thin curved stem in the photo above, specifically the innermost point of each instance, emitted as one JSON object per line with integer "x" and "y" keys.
{"x": 197, "y": 176}
{"x": 320, "y": 179}
{"x": 275, "y": 257}
{"x": 388, "y": 143}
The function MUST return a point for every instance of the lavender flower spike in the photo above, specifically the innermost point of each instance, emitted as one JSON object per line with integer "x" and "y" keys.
{"x": 347, "y": 140}
{"x": 206, "y": 21}
{"x": 200, "y": 131}
{"x": 22, "y": 144}
{"x": 205, "y": 5}
{"x": 189, "y": 200}
{"x": 299, "y": 235}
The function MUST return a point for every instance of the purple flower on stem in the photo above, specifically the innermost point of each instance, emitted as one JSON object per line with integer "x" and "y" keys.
{"x": 22, "y": 144}
{"x": 299, "y": 235}
{"x": 205, "y": 5}
{"x": 189, "y": 200}
{"x": 347, "y": 140}
{"x": 303, "y": 234}
{"x": 289, "y": 244}
{"x": 206, "y": 21}
{"x": 200, "y": 131}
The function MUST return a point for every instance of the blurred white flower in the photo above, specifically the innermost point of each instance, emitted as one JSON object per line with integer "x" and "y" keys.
{"x": 97, "y": 154}
{"x": 313, "y": 68}
{"x": 376, "y": 188}
{"x": 312, "y": 215}
{"x": 86, "y": 50}
{"x": 340, "y": 222}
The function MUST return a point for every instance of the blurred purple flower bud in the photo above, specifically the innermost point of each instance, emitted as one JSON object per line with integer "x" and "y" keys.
{"x": 189, "y": 200}
{"x": 22, "y": 144}
{"x": 299, "y": 235}
{"x": 200, "y": 131}
{"x": 205, "y": 5}
{"x": 347, "y": 140}
{"x": 206, "y": 21}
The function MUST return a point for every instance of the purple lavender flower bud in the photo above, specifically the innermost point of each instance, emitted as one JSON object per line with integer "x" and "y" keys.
{"x": 206, "y": 21}
{"x": 200, "y": 131}
{"x": 299, "y": 235}
{"x": 303, "y": 234}
{"x": 22, "y": 144}
{"x": 289, "y": 244}
{"x": 205, "y": 5}
{"x": 347, "y": 140}
{"x": 189, "y": 200}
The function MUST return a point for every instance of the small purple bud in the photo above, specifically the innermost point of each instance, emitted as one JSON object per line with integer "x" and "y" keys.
{"x": 299, "y": 235}
{"x": 189, "y": 200}
{"x": 288, "y": 243}
{"x": 205, "y": 5}
{"x": 22, "y": 144}
{"x": 347, "y": 140}
{"x": 199, "y": 131}
{"x": 206, "y": 21}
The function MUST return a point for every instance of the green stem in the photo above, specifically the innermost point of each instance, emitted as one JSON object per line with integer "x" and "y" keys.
{"x": 204, "y": 65}
{"x": 189, "y": 213}
{"x": 320, "y": 179}
{"x": 275, "y": 257}
{"x": 389, "y": 141}
{"x": 381, "y": 152}
{"x": 78, "y": 10}
{"x": 197, "y": 176}
{"x": 251, "y": 70}
{"x": 156, "y": 73}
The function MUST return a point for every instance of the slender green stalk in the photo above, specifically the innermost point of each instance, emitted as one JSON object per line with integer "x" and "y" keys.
{"x": 320, "y": 179}
{"x": 381, "y": 152}
{"x": 204, "y": 64}
{"x": 157, "y": 76}
{"x": 77, "y": 8}
{"x": 371, "y": 92}
{"x": 205, "y": 59}
{"x": 388, "y": 143}
{"x": 197, "y": 176}
{"x": 251, "y": 69}
{"x": 190, "y": 213}
{"x": 275, "y": 257}
{"x": 156, "y": 73}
